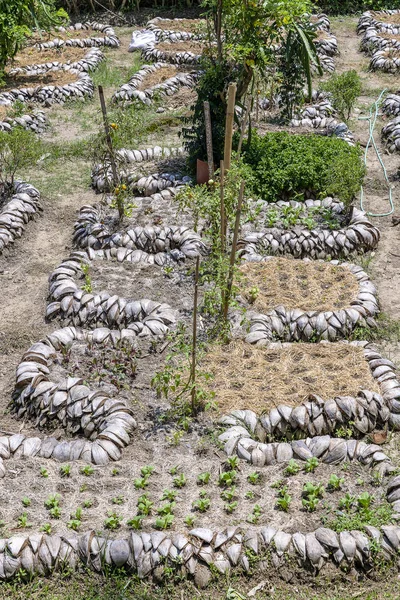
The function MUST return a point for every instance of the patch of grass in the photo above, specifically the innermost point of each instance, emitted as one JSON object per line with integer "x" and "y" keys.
{"x": 376, "y": 515}
{"x": 109, "y": 75}
{"x": 388, "y": 329}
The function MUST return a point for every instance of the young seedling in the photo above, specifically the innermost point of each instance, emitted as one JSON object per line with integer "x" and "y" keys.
{"x": 52, "y": 501}
{"x": 167, "y": 509}
{"x": 180, "y": 481}
{"x": 311, "y": 489}
{"x": 233, "y": 462}
{"x": 169, "y": 495}
{"x": 118, "y": 500}
{"x": 74, "y": 524}
{"x": 292, "y": 468}
{"x": 249, "y": 495}
{"x": 26, "y": 501}
{"x": 23, "y": 521}
{"x": 87, "y": 470}
{"x": 144, "y": 505}
{"x": 55, "y": 512}
{"x": 113, "y": 521}
{"x": 311, "y": 464}
{"x": 201, "y": 504}
{"x": 364, "y": 501}
{"x": 147, "y": 470}
{"x": 78, "y": 514}
{"x": 141, "y": 483}
{"x": 231, "y": 506}
{"x": 115, "y": 472}
{"x": 164, "y": 522}
{"x": 255, "y": 515}
{"x": 253, "y": 294}
{"x": 87, "y": 503}
{"x": 277, "y": 484}
{"x": 44, "y": 472}
{"x": 347, "y": 502}
{"x": 310, "y": 503}
{"x": 173, "y": 470}
{"x": 228, "y": 494}
{"x": 283, "y": 502}
{"x": 189, "y": 520}
{"x": 227, "y": 479}
{"x": 65, "y": 470}
{"x": 335, "y": 482}
{"x": 46, "y": 528}
{"x": 253, "y": 478}
{"x": 203, "y": 478}
{"x": 135, "y": 522}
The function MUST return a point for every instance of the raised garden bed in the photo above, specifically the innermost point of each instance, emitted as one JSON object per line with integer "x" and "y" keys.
{"x": 178, "y": 52}
{"x": 31, "y": 60}
{"x": 356, "y": 235}
{"x": 154, "y": 81}
{"x": 83, "y": 35}
{"x": 391, "y": 135}
{"x": 177, "y": 29}
{"x": 47, "y": 87}
{"x": 386, "y": 21}
{"x": 391, "y": 105}
{"x": 294, "y": 300}
{"x": 33, "y": 121}
{"x": 19, "y": 204}
{"x": 387, "y": 60}
{"x": 374, "y": 39}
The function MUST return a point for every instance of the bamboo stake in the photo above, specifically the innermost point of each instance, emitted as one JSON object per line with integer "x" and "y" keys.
{"x": 210, "y": 159}
{"x": 222, "y": 206}
{"x": 233, "y": 251}
{"x": 194, "y": 341}
{"x": 120, "y": 203}
{"x": 230, "y": 111}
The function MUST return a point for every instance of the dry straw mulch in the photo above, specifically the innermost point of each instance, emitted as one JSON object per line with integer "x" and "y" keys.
{"x": 383, "y": 18}
{"x": 158, "y": 76}
{"x": 189, "y": 46}
{"x": 81, "y": 34}
{"x": 34, "y": 56}
{"x": 259, "y": 379}
{"x": 298, "y": 284}
{"x": 35, "y": 81}
{"x": 190, "y": 25}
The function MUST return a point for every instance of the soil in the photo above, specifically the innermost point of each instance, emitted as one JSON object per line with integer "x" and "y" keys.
{"x": 4, "y": 111}
{"x": 259, "y": 379}
{"x": 65, "y": 35}
{"x": 384, "y": 18}
{"x": 158, "y": 76}
{"x": 190, "y": 25}
{"x": 189, "y": 46}
{"x": 34, "y": 56}
{"x": 297, "y": 284}
{"x": 20, "y": 81}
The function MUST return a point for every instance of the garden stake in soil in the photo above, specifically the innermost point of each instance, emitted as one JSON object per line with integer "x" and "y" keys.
{"x": 207, "y": 119}
{"x": 110, "y": 147}
{"x": 230, "y": 112}
{"x": 194, "y": 340}
{"x": 222, "y": 206}
{"x": 233, "y": 252}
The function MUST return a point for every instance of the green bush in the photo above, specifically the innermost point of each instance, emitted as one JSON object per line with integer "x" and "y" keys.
{"x": 286, "y": 165}
{"x": 345, "y": 89}
{"x": 18, "y": 150}
{"x": 344, "y": 7}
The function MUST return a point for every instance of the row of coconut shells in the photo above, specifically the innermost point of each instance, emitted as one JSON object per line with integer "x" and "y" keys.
{"x": 373, "y": 40}
{"x": 15, "y": 214}
{"x": 318, "y": 417}
{"x": 294, "y": 325}
{"x": 391, "y": 104}
{"x": 102, "y": 176}
{"x": 104, "y": 420}
{"x": 371, "y": 18}
{"x": 89, "y": 62}
{"x": 387, "y": 60}
{"x": 35, "y": 121}
{"x": 90, "y": 230}
{"x": 153, "y": 54}
{"x": 174, "y": 35}
{"x": 360, "y": 235}
{"x": 79, "y": 308}
{"x": 193, "y": 553}
{"x": 108, "y": 38}
{"x": 391, "y": 135}
{"x": 128, "y": 92}
{"x": 49, "y": 94}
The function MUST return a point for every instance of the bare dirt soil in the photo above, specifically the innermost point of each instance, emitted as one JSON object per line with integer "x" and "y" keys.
{"x": 34, "y": 56}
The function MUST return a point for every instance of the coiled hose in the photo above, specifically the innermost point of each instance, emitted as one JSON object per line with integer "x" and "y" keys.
{"x": 372, "y": 118}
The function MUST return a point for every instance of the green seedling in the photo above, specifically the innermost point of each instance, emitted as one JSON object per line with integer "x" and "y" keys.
{"x": 310, "y": 503}
{"x": 283, "y": 502}
{"x": 87, "y": 503}
{"x": 118, "y": 500}
{"x": 311, "y": 464}
{"x": 227, "y": 479}
{"x": 179, "y": 481}
{"x": 55, "y": 512}
{"x": 65, "y": 470}
{"x": 87, "y": 470}
{"x": 335, "y": 482}
{"x": 167, "y": 509}
{"x": 233, "y": 462}
{"x": 203, "y": 478}
{"x": 147, "y": 470}
{"x": 253, "y": 294}
{"x": 113, "y": 521}
{"x": 253, "y": 478}
{"x": 144, "y": 505}
{"x": 26, "y": 501}
{"x": 164, "y": 522}
{"x": 169, "y": 495}
{"x": 255, "y": 515}
{"x": 189, "y": 520}
{"x": 52, "y": 501}
{"x": 249, "y": 495}
{"x": 311, "y": 489}
{"x": 135, "y": 522}
{"x": 23, "y": 521}
{"x": 46, "y": 528}
{"x": 78, "y": 514}
{"x": 228, "y": 494}
{"x": 115, "y": 472}
{"x": 44, "y": 472}
{"x": 364, "y": 501}
{"x": 201, "y": 504}
{"x": 231, "y": 506}
{"x": 173, "y": 470}
{"x": 74, "y": 524}
{"x": 347, "y": 502}
{"x": 292, "y": 468}
{"x": 141, "y": 483}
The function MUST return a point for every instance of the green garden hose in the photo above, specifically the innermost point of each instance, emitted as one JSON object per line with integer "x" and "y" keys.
{"x": 372, "y": 118}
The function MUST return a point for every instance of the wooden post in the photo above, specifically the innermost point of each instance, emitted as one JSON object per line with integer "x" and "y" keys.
{"x": 222, "y": 205}
{"x": 230, "y": 112}
{"x": 233, "y": 252}
{"x": 120, "y": 203}
{"x": 194, "y": 339}
{"x": 210, "y": 158}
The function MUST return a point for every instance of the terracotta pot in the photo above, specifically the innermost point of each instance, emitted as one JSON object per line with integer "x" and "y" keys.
{"x": 202, "y": 175}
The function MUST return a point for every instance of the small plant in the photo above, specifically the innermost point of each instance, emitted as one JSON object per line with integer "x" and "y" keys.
{"x": 311, "y": 489}
{"x": 180, "y": 481}
{"x": 249, "y": 495}
{"x": 55, "y": 512}
{"x": 65, "y": 470}
{"x": 228, "y": 494}
{"x": 335, "y": 482}
{"x": 115, "y": 472}
{"x": 118, "y": 499}
{"x": 310, "y": 503}
{"x": 283, "y": 502}
{"x": 169, "y": 495}
{"x": 175, "y": 438}
{"x": 227, "y": 479}
{"x": 144, "y": 505}
{"x": 364, "y": 500}
{"x": 253, "y": 478}
{"x": 347, "y": 502}
{"x": 46, "y": 528}
{"x": 360, "y": 481}
{"x": 203, "y": 478}
{"x": 376, "y": 479}
{"x": 113, "y": 521}
{"x": 23, "y": 521}
{"x": 147, "y": 470}
{"x": 26, "y": 501}
{"x": 292, "y": 468}
{"x": 277, "y": 484}
{"x": 78, "y": 514}
{"x": 52, "y": 501}
{"x": 252, "y": 294}
{"x": 201, "y": 504}
{"x": 74, "y": 524}
{"x": 233, "y": 462}
{"x": 84, "y": 487}
{"x": 141, "y": 483}
{"x": 255, "y": 515}
{"x": 173, "y": 470}
{"x": 164, "y": 522}
{"x": 87, "y": 503}
{"x": 87, "y": 470}
{"x": 44, "y": 472}
{"x": 231, "y": 506}
{"x": 135, "y": 522}
{"x": 311, "y": 464}
{"x": 189, "y": 520}
{"x": 167, "y": 509}
{"x": 344, "y": 89}
{"x": 87, "y": 286}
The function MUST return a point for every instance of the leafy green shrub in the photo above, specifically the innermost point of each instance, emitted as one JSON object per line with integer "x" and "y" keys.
{"x": 286, "y": 165}
{"x": 344, "y": 7}
{"x": 344, "y": 89}
{"x": 18, "y": 150}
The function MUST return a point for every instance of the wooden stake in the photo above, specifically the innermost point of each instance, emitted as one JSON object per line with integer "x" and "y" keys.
{"x": 222, "y": 205}
{"x": 243, "y": 127}
{"x": 194, "y": 341}
{"x": 210, "y": 158}
{"x": 111, "y": 150}
{"x": 233, "y": 251}
{"x": 230, "y": 112}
